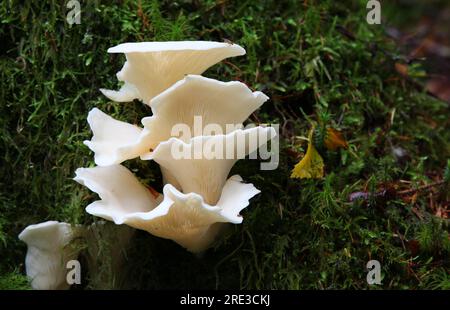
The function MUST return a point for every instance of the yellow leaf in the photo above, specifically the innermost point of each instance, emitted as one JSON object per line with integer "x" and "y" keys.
{"x": 311, "y": 166}
{"x": 334, "y": 140}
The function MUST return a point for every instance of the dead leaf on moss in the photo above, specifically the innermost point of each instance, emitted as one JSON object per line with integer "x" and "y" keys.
{"x": 334, "y": 140}
{"x": 311, "y": 166}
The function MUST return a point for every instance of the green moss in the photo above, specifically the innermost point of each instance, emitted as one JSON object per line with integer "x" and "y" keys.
{"x": 14, "y": 281}
{"x": 313, "y": 59}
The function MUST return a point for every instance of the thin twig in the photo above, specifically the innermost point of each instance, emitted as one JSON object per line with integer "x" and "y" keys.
{"x": 420, "y": 188}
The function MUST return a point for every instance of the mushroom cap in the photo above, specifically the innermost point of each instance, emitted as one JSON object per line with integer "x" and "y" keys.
{"x": 47, "y": 254}
{"x": 224, "y": 104}
{"x": 185, "y": 218}
{"x": 216, "y": 102}
{"x": 128, "y": 92}
{"x": 152, "y": 67}
{"x": 120, "y": 192}
{"x": 166, "y": 46}
{"x": 203, "y": 164}
{"x": 114, "y": 141}
{"x": 47, "y": 234}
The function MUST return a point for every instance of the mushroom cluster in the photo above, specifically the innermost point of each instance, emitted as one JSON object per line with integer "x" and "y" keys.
{"x": 195, "y": 134}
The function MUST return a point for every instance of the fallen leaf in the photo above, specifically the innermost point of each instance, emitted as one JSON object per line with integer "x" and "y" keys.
{"x": 334, "y": 140}
{"x": 311, "y": 166}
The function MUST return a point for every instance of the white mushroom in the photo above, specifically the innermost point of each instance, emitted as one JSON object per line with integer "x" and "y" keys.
{"x": 194, "y": 134}
{"x": 120, "y": 192}
{"x": 202, "y": 165}
{"x": 224, "y": 104}
{"x": 152, "y": 67}
{"x": 48, "y": 253}
{"x": 128, "y": 92}
{"x": 113, "y": 141}
{"x": 184, "y": 218}
{"x": 193, "y": 223}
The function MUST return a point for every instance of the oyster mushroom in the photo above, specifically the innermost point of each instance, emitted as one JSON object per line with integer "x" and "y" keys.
{"x": 120, "y": 192}
{"x": 152, "y": 67}
{"x": 195, "y": 161}
{"x": 48, "y": 253}
{"x": 202, "y": 165}
{"x": 184, "y": 218}
{"x": 224, "y": 104}
{"x": 114, "y": 141}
